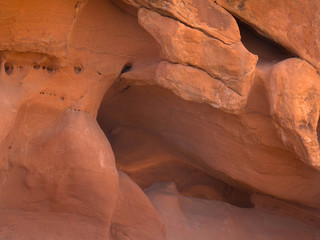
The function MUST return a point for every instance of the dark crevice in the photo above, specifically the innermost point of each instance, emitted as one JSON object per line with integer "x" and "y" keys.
{"x": 126, "y": 68}
{"x": 125, "y": 88}
{"x": 266, "y": 49}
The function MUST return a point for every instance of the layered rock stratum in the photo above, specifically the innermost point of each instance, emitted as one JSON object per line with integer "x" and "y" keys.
{"x": 159, "y": 120}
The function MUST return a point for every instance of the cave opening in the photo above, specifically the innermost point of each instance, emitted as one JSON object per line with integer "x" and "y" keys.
{"x": 132, "y": 121}
{"x": 265, "y": 48}
{"x": 135, "y": 120}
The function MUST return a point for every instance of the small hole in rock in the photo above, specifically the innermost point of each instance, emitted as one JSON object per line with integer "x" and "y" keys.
{"x": 126, "y": 68}
{"x": 49, "y": 69}
{"x": 43, "y": 67}
{"x": 8, "y": 68}
{"x": 62, "y": 98}
{"x": 77, "y": 69}
{"x": 36, "y": 67}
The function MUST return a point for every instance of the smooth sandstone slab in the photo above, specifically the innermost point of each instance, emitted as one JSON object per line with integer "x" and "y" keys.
{"x": 26, "y": 225}
{"x": 50, "y": 171}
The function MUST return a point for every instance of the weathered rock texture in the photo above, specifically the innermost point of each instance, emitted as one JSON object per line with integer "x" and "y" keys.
{"x": 165, "y": 120}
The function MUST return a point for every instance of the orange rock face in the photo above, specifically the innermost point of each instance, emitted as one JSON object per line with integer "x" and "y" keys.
{"x": 164, "y": 120}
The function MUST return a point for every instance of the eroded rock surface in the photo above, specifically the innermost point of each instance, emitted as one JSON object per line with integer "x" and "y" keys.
{"x": 167, "y": 120}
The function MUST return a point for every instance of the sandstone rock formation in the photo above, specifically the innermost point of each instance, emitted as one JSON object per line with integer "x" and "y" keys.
{"x": 293, "y": 24}
{"x": 167, "y": 120}
{"x": 294, "y": 98}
